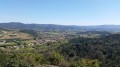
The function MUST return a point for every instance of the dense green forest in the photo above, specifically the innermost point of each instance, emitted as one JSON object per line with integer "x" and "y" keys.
{"x": 105, "y": 49}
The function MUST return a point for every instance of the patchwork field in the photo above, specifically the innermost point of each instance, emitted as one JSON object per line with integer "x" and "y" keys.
{"x": 14, "y": 35}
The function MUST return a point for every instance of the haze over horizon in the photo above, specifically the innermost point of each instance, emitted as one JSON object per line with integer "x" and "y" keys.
{"x": 63, "y": 12}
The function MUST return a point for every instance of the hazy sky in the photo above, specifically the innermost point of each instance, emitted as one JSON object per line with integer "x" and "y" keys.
{"x": 65, "y": 12}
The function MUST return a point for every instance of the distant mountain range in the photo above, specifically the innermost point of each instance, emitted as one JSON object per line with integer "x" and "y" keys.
{"x": 52, "y": 27}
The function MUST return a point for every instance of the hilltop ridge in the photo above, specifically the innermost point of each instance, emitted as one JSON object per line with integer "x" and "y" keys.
{"x": 53, "y": 27}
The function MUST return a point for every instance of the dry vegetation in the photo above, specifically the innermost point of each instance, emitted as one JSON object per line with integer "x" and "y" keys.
{"x": 13, "y": 34}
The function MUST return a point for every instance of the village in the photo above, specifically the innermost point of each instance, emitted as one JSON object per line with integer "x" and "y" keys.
{"x": 18, "y": 40}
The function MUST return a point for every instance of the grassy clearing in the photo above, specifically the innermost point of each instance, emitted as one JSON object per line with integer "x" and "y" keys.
{"x": 7, "y": 44}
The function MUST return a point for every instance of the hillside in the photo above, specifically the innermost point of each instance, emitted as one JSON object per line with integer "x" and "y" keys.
{"x": 105, "y": 49}
{"x": 52, "y": 27}
{"x": 42, "y": 27}
{"x": 47, "y": 45}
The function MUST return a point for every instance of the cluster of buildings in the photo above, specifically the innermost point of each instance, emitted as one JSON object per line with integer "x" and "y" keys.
{"x": 38, "y": 41}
